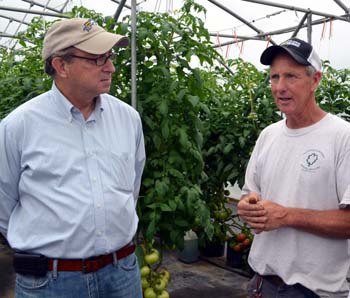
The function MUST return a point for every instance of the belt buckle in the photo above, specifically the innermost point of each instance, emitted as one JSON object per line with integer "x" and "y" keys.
{"x": 84, "y": 266}
{"x": 91, "y": 265}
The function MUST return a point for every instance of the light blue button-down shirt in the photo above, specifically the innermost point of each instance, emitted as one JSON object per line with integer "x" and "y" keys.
{"x": 69, "y": 187}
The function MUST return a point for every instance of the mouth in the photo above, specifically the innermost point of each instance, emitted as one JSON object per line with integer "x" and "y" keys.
{"x": 284, "y": 99}
{"x": 107, "y": 80}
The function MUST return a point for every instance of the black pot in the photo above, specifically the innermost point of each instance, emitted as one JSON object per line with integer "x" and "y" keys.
{"x": 234, "y": 259}
{"x": 213, "y": 250}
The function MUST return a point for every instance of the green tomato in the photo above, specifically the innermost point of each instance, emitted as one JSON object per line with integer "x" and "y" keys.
{"x": 153, "y": 250}
{"x": 160, "y": 285}
{"x": 145, "y": 271}
{"x": 144, "y": 283}
{"x": 152, "y": 258}
{"x": 149, "y": 293}
{"x": 163, "y": 294}
{"x": 166, "y": 274}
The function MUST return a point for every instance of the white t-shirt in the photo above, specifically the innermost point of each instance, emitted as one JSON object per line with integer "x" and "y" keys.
{"x": 303, "y": 168}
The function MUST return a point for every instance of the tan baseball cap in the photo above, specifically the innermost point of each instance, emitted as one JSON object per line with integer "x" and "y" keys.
{"x": 84, "y": 34}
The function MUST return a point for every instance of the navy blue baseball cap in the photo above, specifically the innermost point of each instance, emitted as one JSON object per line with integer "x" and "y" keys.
{"x": 301, "y": 51}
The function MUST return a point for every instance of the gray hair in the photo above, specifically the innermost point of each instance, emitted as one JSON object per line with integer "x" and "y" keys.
{"x": 310, "y": 70}
{"x": 65, "y": 54}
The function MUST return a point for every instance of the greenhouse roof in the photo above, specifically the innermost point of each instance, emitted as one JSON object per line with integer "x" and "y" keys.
{"x": 239, "y": 28}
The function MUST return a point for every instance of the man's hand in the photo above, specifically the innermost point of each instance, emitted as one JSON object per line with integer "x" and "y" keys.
{"x": 251, "y": 210}
{"x": 275, "y": 215}
{"x": 261, "y": 215}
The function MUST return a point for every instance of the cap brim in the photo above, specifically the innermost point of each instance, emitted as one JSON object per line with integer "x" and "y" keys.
{"x": 102, "y": 43}
{"x": 270, "y": 53}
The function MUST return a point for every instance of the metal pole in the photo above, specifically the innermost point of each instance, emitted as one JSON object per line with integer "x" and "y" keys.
{"x": 29, "y": 11}
{"x": 41, "y": 5}
{"x": 133, "y": 53}
{"x": 300, "y": 24}
{"x": 309, "y": 28}
{"x": 236, "y": 16}
{"x": 257, "y": 37}
{"x": 119, "y": 10}
{"x": 299, "y": 9}
{"x": 3, "y": 34}
{"x": 64, "y": 6}
{"x": 342, "y": 5}
{"x": 263, "y": 36}
{"x": 116, "y": 1}
{"x": 13, "y": 19}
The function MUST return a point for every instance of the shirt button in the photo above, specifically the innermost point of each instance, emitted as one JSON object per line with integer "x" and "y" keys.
{"x": 94, "y": 179}
{"x": 98, "y": 205}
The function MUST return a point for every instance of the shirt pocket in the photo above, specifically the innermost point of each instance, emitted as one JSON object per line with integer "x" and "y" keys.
{"x": 122, "y": 170}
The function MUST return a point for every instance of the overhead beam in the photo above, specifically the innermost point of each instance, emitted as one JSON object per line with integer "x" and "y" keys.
{"x": 314, "y": 12}
{"x": 118, "y": 2}
{"x": 41, "y": 5}
{"x": 4, "y": 34}
{"x": 257, "y": 37}
{"x": 290, "y": 29}
{"x": 119, "y": 10}
{"x": 264, "y": 36}
{"x": 236, "y": 16}
{"x": 64, "y": 6}
{"x": 301, "y": 23}
{"x": 36, "y": 12}
{"x": 12, "y": 19}
{"x": 342, "y": 5}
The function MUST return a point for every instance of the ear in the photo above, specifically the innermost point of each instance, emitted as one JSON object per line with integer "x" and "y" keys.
{"x": 316, "y": 80}
{"x": 60, "y": 66}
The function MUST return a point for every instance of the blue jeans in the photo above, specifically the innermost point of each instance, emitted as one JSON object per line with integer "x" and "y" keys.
{"x": 120, "y": 280}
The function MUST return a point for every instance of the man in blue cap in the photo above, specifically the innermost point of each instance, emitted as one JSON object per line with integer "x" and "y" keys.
{"x": 297, "y": 186}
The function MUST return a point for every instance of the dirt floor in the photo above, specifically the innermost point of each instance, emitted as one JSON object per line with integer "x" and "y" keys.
{"x": 205, "y": 278}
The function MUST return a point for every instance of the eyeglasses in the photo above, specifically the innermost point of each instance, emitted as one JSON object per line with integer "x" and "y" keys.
{"x": 99, "y": 61}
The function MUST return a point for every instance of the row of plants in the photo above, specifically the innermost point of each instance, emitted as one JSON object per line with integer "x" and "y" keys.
{"x": 200, "y": 120}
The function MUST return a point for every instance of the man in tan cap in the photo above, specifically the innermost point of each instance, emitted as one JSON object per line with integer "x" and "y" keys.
{"x": 71, "y": 165}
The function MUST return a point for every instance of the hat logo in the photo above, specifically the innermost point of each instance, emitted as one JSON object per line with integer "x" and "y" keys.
{"x": 292, "y": 43}
{"x": 88, "y": 25}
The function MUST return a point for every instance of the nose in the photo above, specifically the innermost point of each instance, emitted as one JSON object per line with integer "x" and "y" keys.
{"x": 109, "y": 66}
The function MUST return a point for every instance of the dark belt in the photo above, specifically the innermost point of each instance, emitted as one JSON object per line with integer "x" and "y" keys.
{"x": 278, "y": 282}
{"x": 274, "y": 279}
{"x": 91, "y": 264}
{"x": 34, "y": 264}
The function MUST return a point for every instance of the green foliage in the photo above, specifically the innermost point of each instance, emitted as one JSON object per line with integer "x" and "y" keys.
{"x": 333, "y": 93}
{"x": 200, "y": 121}
{"x": 240, "y": 106}
{"x": 170, "y": 98}
{"x": 21, "y": 70}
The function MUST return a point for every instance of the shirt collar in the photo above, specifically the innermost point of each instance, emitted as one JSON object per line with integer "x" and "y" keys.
{"x": 66, "y": 108}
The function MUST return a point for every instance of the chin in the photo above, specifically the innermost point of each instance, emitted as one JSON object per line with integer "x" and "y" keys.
{"x": 105, "y": 89}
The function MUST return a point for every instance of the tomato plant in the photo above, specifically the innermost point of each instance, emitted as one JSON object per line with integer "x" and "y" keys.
{"x": 200, "y": 120}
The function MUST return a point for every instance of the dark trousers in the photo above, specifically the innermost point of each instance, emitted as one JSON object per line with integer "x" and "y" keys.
{"x": 260, "y": 287}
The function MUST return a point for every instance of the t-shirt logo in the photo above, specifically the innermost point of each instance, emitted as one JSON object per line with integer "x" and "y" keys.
{"x": 311, "y": 160}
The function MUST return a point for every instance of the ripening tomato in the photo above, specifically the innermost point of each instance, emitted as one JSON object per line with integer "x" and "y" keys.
{"x": 241, "y": 237}
{"x": 247, "y": 242}
{"x": 238, "y": 247}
